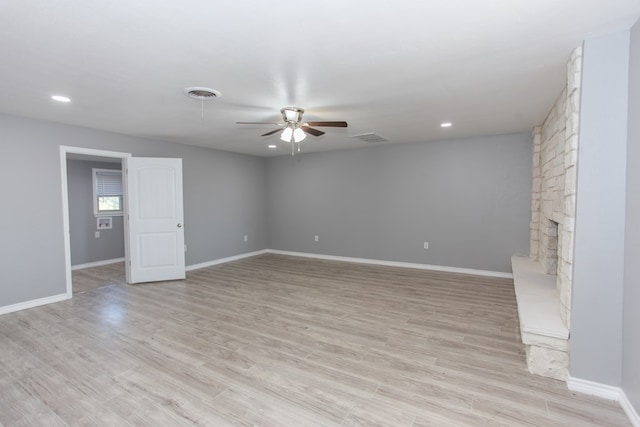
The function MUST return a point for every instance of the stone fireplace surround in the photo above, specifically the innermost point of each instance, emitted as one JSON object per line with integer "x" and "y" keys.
{"x": 543, "y": 280}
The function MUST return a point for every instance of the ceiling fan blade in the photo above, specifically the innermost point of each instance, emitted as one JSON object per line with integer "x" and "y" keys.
{"x": 271, "y": 133}
{"x": 312, "y": 131}
{"x": 332, "y": 124}
{"x": 258, "y": 123}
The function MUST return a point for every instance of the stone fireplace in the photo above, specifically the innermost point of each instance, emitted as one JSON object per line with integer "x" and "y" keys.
{"x": 555, "y": 155}
{"x": 549, "y": 249}
{"x": 543, "y": 280}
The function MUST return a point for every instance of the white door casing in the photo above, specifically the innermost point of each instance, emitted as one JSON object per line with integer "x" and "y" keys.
{"x": 64, "y": 152}
{"x": 154, "y": 219}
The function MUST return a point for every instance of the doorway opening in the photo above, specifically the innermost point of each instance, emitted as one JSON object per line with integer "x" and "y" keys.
{"x": 91, "y": 265}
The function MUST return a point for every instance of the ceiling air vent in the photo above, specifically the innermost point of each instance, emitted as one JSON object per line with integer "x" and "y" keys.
{"x": 370, "y": 137}
{"x": 202, "y": 93}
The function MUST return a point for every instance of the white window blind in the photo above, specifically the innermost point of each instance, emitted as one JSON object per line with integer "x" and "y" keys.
{"x": 107, "y": 192}
{"x": 108, "y": 183}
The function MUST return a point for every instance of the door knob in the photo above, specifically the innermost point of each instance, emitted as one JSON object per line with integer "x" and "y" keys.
{"x": 179, "y": 225}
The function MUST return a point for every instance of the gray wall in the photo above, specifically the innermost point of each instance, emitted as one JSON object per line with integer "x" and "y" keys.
{"x": 596, "y": 317}
{"x": 469, "y": 198}
{"x": 223, "y": 200}
{"x": 85, "y": 247}
{"x": 631, "y": 329}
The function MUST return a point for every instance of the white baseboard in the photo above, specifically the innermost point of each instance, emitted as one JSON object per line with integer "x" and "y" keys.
{"x": 396, "y": 264}
{"x": 631, "y": 412}
{"x": 319, "y": 256}
{"x": 606, "y": 392}
{"x": 34, "y": 303}
{"x": 223, "y": 260}
{"x": 593, "y": 388}
{"x": 96, "y": 264}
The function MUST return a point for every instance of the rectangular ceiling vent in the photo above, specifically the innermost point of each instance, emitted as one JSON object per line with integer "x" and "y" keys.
{"x": 370, "y": 137}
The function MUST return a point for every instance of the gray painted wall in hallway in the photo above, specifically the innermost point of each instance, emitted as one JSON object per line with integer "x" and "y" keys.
{"x": 85, "y": 247}
{"x": 469, "y": 198}
{"x": 223, "y": 200}
{"x": 631, "y": 328}
{"x": 596, "y": 316}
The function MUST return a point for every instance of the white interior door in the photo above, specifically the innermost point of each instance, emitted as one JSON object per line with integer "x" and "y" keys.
{"x": 154, "y": 219}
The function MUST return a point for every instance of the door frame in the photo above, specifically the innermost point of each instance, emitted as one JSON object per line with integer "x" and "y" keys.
{"x": 64, "y": 150}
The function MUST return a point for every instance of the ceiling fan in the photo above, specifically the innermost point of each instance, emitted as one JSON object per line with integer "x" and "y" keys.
{"x": 295, "y": 130}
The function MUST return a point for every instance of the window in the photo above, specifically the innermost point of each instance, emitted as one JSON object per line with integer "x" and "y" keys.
{"x": 107, "y": 192}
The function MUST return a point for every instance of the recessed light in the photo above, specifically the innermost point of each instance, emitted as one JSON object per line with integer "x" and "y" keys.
{"x": 446, "y": 125}
{"x": 272, "y": 146}
{"x": 60, "y": 98}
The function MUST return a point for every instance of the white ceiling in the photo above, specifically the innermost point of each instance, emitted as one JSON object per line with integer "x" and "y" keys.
{"x": 397, "y": 68}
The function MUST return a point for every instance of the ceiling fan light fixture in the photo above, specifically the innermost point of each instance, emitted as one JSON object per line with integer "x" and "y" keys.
{"x": 292, "y": 134}
{"x": 286, "y": 134}
{"x": 298, "y": 135}
{"x": 292, "y": 114}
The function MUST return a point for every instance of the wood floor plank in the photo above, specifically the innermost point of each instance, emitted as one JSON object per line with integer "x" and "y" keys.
{"x": 18, "y": 404}
{"x": 275, "y": 340}
{"x": 378, "y": 414}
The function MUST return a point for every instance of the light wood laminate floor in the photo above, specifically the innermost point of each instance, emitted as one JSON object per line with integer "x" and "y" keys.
{"x": 92, "y": 278}
{"x": 281, "y": 341}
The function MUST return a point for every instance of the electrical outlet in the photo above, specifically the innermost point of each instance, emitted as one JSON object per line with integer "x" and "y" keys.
{"x": 97, "y": 234}
{"x": 426, "y": 245}
{"x": 246, "y": 238}
{"x": 316, "y": 238}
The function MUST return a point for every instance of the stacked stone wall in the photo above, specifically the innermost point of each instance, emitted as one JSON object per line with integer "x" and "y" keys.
{"x": 555, "y": 145}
